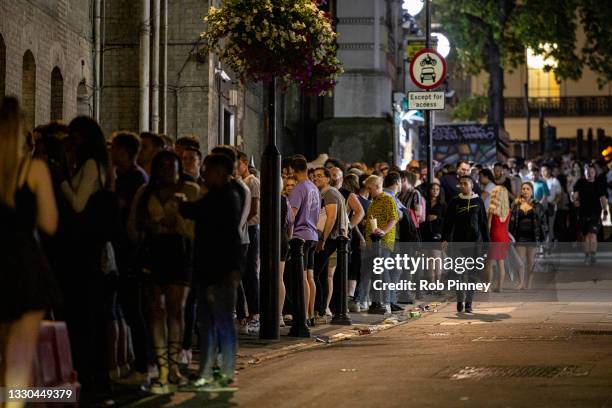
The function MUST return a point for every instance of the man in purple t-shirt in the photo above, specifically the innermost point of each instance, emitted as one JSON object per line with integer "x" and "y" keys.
{"x": 305, "y": 203}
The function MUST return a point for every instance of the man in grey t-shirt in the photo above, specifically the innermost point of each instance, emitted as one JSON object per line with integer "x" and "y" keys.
{"x": 335, "y": 224}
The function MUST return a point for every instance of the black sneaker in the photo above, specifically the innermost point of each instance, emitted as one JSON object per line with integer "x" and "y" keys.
{"x": 468, "y": 307}
{"x": 459, "y": 307}
{"x": 377, "y": 308}
{"x": 396, "y": 308}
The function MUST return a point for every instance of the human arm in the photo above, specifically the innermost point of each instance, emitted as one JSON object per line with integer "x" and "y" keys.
{"x": 39, "y": 179}
{"x": 355, "y": 205}
{"x": 133, "y": 228}
{"x": 78, "y": 198}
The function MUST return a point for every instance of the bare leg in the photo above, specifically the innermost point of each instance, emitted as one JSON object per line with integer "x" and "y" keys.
{"x": 330, "y": 285}
{"x": 312, "y": 293}
{"x": 489, "y": 270}
{"x": 281, "y": 287}
{"x": 123, "y": 359}
{"x": 20, "y": 345}
{"x": 521, "y": 252}
{"x": 436, "y": 253}
{"x": 176, "y": 298}
{"x": 352, "y": 286}
{"x": 159, "y": 331}
{"x": 501, "y": 268}
{"x": 112, "y": 344}
{"x": 531, "y": 252}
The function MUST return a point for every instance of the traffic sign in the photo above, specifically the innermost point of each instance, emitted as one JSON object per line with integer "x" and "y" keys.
{"x": 426, "y": 100}
{"x": 427, "y": 69}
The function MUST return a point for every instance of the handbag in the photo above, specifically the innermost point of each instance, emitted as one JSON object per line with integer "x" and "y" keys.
{"x": 513, "y": 262}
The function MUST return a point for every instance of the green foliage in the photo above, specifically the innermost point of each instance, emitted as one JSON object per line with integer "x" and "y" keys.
{"x": 471, "y": 108}
{"x": 478, "y": 28}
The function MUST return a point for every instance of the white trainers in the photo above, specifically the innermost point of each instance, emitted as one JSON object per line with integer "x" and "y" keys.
{"x": 185, "y": 357}
{"x": 253, "y": 327}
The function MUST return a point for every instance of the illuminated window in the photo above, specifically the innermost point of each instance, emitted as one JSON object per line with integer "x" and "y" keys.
{"x": 541, "y": 84}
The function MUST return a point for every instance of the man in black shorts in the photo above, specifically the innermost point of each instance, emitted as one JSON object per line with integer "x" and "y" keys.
{"x": 591, "y": 198}
{"x": 305, "y": 203}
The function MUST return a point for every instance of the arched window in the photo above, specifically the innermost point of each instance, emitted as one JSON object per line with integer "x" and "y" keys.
{"x": 28, "y": 88}
{"x": 57, "y": 94}
{"x": 2, "y": 67}
{"x": 83, "y": 106}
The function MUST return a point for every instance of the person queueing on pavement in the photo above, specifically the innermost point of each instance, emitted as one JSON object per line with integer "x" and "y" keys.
{"x": 251, "y": 273}
{"x": 591, "y": 198}
{"x": 381, "y": 219}
{"x": 305, "y": 203}
{"x": 528, "y": 227}
{"x": 246, "y": 326}
{"x": 466, "y": 222}
{"x": 155, "y": 221}
{"x": 27, "y": 284}
{"x": 217, "y": 266}
{"x": 336, "y": 225}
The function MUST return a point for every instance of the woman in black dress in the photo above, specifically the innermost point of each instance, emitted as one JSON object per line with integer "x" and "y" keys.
{"x": 528, "y": 227}
{"x": 27, "y": 285}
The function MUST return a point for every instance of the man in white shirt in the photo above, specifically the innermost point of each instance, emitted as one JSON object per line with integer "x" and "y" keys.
{"x": 485, "y": 178}
{"x": 251, "y": 275}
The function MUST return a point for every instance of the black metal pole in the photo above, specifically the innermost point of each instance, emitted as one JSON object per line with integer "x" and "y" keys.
{"x": 528, "y": 116}
{"x": 341, "y": 317}
{"x": 429, "y": 139}
{"x": 298, "y": 322}
{"x": 270, "y": 225}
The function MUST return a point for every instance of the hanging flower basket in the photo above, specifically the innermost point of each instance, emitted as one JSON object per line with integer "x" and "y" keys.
{"x": 291, "y": 40}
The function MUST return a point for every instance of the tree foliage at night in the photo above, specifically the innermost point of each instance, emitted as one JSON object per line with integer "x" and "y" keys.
{"x": 492, "y": 35}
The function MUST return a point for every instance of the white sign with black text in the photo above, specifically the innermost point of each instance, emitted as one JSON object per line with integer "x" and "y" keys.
{"x": 426, "y": 100}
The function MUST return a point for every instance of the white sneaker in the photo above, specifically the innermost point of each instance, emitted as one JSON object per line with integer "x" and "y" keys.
{"x": 387, "y": 309}
{"x": 281, "y": 322}
{"x": 328, "y": 312}
{"x": 253, "y": 327}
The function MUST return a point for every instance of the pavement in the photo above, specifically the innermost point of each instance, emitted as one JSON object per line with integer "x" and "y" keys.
{"x": 548, "y": 347}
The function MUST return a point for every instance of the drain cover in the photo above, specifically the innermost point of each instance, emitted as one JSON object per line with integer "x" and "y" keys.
{"x": 530, "y": 371}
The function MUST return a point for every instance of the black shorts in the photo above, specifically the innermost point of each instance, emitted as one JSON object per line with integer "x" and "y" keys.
{"x": 309, "y": 254}
{"x": 171, "y": 259}
{"x": 590, "y": 224}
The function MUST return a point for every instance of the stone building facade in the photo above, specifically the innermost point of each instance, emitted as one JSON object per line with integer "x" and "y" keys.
{"x": 48, "y": 59}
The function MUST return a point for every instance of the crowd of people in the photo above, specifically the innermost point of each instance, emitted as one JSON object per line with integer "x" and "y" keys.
{"x": 142, "y": 244}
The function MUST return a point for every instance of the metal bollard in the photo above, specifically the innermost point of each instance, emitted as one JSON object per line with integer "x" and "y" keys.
{"x": 342, "y": 317}
{"x": 298, "y": 324}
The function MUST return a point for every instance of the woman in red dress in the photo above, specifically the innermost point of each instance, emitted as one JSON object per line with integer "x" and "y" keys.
{"x": 498, "y": 215}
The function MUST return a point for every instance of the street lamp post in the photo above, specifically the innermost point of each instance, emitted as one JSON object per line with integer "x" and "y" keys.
{"x": 270, "y": 225}
{"x": 428, "y": 135}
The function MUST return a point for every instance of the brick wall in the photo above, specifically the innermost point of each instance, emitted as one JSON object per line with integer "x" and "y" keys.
{"x": 58, "y": 34}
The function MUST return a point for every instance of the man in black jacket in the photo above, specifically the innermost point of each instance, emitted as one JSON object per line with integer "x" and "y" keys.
{"x": 217, "y": 269}
{"x": 466, "y": 222}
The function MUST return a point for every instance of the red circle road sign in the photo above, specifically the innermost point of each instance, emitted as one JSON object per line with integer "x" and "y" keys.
{"x": 427, "y": 69}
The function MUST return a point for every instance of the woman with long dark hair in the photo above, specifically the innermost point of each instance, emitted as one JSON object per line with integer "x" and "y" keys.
{"x": 85, "y": 286}
{"x": 155, "y": 222}
{"x": 27, "y": 286}
{"x": 432, "y": 227}
{"x": 528, "y": 227}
